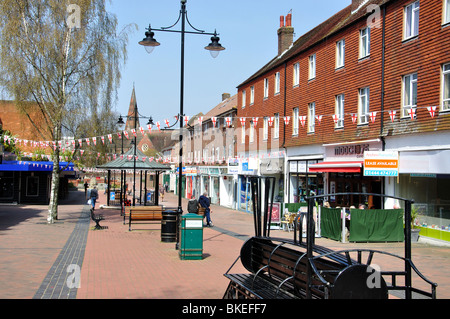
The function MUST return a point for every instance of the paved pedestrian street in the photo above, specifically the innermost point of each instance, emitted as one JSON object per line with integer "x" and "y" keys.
{"x": 71, "y": 260}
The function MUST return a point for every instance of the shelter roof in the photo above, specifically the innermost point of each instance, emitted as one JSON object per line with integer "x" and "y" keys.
{"x": 126, "y": 162}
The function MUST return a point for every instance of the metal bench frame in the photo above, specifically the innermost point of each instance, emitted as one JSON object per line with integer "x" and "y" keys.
{"x": 262, "y": 283}
{"x": 97, "y": 218}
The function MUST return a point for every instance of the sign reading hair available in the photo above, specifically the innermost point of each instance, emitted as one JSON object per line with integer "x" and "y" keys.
{"x": 381, "y": 163}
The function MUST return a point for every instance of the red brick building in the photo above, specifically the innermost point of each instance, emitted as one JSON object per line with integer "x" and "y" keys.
{"x": 11, "y": 119}
{"x": 330, "y": 95}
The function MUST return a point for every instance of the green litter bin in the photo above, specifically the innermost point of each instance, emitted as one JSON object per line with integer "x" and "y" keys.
{"x": 191, "y": 237}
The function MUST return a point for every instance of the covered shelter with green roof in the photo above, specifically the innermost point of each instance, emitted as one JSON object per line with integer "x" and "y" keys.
{"x": 138, "y": 163}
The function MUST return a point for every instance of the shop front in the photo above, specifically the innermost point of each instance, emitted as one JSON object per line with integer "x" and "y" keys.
{"x": 424, "y": 175}
{"x": 274, "y": 167}
{"x": 247, "y": 169}
{"x": 342, "y": 170}
{"x": 302, "y": 181}
{"x": 211, "y": 181}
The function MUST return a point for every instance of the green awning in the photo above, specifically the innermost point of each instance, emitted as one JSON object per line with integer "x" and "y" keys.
{"x": 126, "y": 162}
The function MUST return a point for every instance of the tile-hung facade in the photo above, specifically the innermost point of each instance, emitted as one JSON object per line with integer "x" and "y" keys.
{"x": 373, "y": 77}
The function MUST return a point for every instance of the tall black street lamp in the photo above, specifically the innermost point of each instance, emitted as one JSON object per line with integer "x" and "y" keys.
{"x": 214, "y": 48}
{"x": 121, "y": 123}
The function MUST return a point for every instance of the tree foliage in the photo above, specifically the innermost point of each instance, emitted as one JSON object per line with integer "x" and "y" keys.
{"x": 66, "y": 57}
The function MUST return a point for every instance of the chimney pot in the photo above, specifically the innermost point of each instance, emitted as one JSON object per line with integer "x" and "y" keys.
{"x": 285, "y": 34}
{"x": 281, "y": 21}
{"x": 225, "y": 96}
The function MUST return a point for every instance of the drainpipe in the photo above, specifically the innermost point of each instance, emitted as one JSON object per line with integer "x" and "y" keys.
{"x": 383, "y": 59}
{"x": 286, "y": 178}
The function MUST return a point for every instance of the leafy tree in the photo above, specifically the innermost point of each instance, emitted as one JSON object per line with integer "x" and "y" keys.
{"x": 66, "y": 59}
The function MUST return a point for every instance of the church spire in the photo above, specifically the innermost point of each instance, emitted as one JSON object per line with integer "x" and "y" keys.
{"x": 131, "y": 116}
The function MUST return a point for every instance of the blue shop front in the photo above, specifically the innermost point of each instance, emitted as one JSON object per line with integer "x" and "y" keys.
{"x": 24, "y": 182}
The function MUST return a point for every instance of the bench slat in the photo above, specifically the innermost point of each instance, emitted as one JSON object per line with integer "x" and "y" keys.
{"x": 146, "y": 213}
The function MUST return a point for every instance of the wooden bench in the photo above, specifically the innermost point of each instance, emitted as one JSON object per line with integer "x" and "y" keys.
{"x": 143, "y": 214}
{"x": 281, "y": 272}
{"x": 97, "y": 218}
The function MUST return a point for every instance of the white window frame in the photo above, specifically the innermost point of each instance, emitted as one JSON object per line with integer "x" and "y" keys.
{"x": 340, "y": 110}
{"x": 446, "y": 81}
{"x": 340, "y": 54}
{"x": 243, "y": 134}
{"x": 252, "y": 95}
{"x": 446, "y": 11}
{"x": 266, "y": 128}
{"x": 277, "y": 83}
{"x": 311, "y": 117}
{"x": 412, "y": 18}
{"x": 244, "y": 97}
{"x": 295, "y": 120}
{"x": 251, "y": 136}
{"x": 266, "y": 88}
{"x": 409, "y": 93}
{"x": 276, "y": 123}
{"x": 364, "y": 43}
{"x": 364, "y": 106}
{"x": 312, "y": 67}
{"x": 296, "y": 80}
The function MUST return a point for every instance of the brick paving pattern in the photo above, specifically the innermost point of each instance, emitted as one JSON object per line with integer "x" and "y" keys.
{"x": 118, "y": 264}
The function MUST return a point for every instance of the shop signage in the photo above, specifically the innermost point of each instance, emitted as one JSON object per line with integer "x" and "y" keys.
{"x": 381, "y": 163}
{"x": 276, "y": 213}
{"x": 351, "y": 150}
{"x": 191, "y": 171}
{"x": 272, "y": 166}
{"x": 233, "y": 166}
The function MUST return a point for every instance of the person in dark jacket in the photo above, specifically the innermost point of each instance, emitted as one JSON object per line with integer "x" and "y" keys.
{"x": 94, "y": 196}
{"x": 205, "y": 202}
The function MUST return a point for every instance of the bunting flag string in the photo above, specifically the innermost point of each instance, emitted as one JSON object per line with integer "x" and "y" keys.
{"x": 433, "y": 111}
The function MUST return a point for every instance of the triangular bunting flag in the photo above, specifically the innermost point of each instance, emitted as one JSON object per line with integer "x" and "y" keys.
{"x": 392, "y": 115}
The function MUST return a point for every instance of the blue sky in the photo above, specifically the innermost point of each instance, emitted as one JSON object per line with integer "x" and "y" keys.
{"x": 248, "y": 31}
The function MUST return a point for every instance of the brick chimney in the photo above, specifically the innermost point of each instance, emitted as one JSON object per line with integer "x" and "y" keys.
{"x": 225, "y": 96}
{"x": 285, "y": 34}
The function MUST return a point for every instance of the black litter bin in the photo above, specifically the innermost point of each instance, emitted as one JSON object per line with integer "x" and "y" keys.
{"x": 169, "y": 227}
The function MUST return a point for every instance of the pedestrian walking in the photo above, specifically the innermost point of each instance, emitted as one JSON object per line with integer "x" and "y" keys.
{"x": 205, "y": 203}
{"x": 161, "y": 192}
{"x": 86, "y": 186}
{"x": 94, "y": 196}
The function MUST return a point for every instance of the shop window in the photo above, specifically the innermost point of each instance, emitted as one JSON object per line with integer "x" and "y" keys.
{"x": 32, "y": 186}
{"x": 6, "y": 187}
